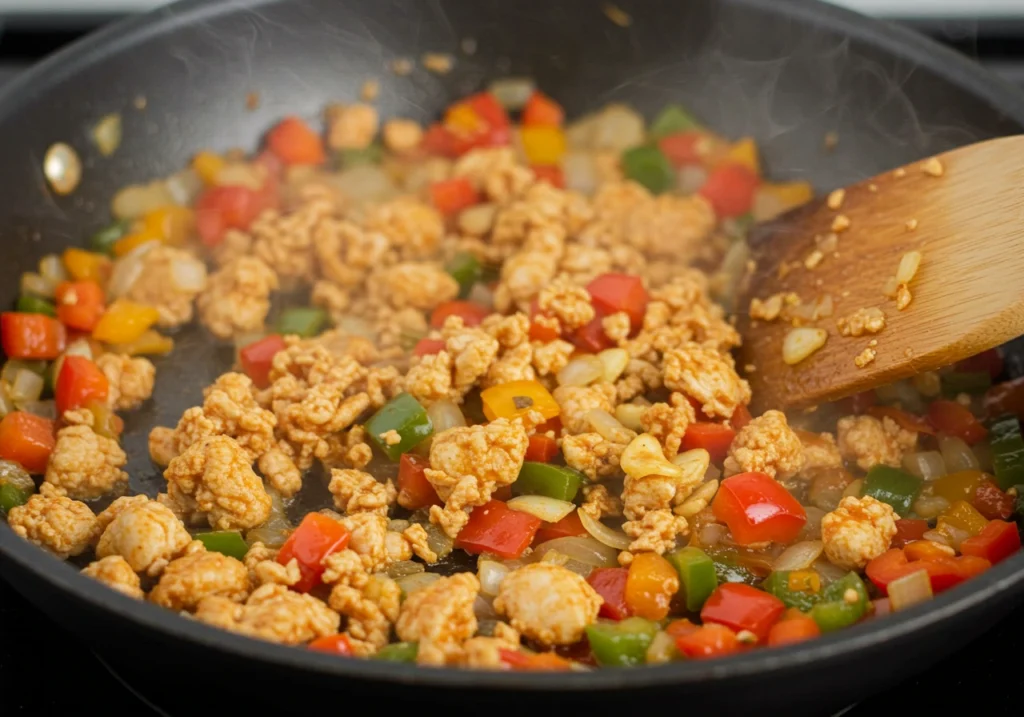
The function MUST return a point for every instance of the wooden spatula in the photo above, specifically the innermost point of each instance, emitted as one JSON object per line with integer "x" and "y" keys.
{"x": 963, "y": 211}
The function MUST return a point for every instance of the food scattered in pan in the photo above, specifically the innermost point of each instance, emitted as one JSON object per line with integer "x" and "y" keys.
{"x": 511, "y": 369}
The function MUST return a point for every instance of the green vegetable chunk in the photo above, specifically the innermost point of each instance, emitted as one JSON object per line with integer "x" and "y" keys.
{"x": 398, "y": 652}
{"x": 1018, "y": 501}
{"x": 697, "y": 575}
{"x": 404, "y": 415}
{"x": 371, "y": 154}
{"x": 672, "y": 120}
{"x": 1007, "y": 451}
{"x": 621, "y": 644}
{"x": 835, "y": 611}
{"x": 226, "y": 542}
{"x": 305, "y": 321}
{"x": 11, "y": 496}
{"x": 559, "y": 482}
{"x": 953, "y": 384}
{"x": 779, "y": 585}
{"x": 893, "y": 486}
{"x": 16, "y": 486}
{"x": 103, "y": 241}
{"x": 730, "y": 573}
{"x": 465, "y": 269}
{"x": 35, "y": 305}
{"x": 649, "y": 167}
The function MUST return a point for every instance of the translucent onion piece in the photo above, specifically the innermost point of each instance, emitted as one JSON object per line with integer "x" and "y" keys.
{"x": 491, "y": 573}
{"x": 13, "y": 367}
{"x": 276, "y": 530}
{"x": 608, "y": 426}
{"x": 438, "y": 541}
{"x": 730, "y": 271}
{"x": 766, "y": 205}
{"x": 644, "y": 457}
{"x": 617, "y": 127}
{"x": 482, "y": 295}
{"x": 26, "y": 386}
{"x": 926, "y": 465}
{"x": 483, "y": 608}
{"x": 910, "y": 590}
{"x": 929, "y": 506}
{"x": 79, "y": 347}
{"x": 356, "y": 326}
{"x": 6, "y": 404}
{"x": 812, "y": 528}
{"x": 512, "y": 92}
{"x": 712, "y": 534}
{"x": 694, "y": 464}
{"x": 402, "y": 568}
{"x": 580, "y": 550}
{"x": 106, "y": 135}
{"x": 603, "y": 534}
{"x": 614, "y": 362}
{"x": 366, "y": 183}
{"x": 957, "y": 455}
{"x": 550, "y": 510}
{"x": 412, "y": 583}
{"x": 854, "y": 489}
{"x": 188, "y": 274}
{"x": 629, "y": 414}
{"x": 691, "y": 178}
{"x": 799, "y": 556}
{"x": 184, "y": 186}
{"x": 581, "y": 371}
{"x": 444, "y": 415}
{"x": 135, "y": 200}
{"x": 127, "y": 269}
{"x": 43, "y": 409}
{"x": 51, "y": 268}
{"x": 62, "y": 168}
{"x": 580, "y": 171}
{"x": 828, "y": 572}
{"x": 13, "y": 474}
{"x": 661, "y": 650}
{"x": 398, "y": 525}
{"x": 35, "y": 285}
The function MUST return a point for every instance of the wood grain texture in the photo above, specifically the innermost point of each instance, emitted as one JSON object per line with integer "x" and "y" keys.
{"x": 968, "y": 294}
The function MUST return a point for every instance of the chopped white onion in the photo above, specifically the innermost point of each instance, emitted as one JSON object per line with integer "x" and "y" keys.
{"x": 52, "y": 269}
{"x": 438, "y": 541}
{"x": 26, "y": 386}
{"x": 909, "y": 590}
{"x": 491, "y": 573}
{"x": 617, "y": 127}
{"x": 767, "y": 205}
{"x": 188, "y": 274}
{"x": 135, "y": 200}
{"x": 12, "y": 368}
{"x": 928, "y": 505}
{"x": 812, "y": 528}
{"x": 603, "y": 534}
{"x": 581, "y": 551}
{"x": 608, "y": 426}
{"x": 614, "y": 362}
{"x": 853, "y": 490}
{"x": 512, "y": 92}
{"x": 185, "y": 186}
{"x": 550, "y": 510}
{"x": 629, "y": 415}
{"x": 712, "y": 534}
{"x": 356, "y": 326}
{"x": 402, "y": 568}
{"x": 43, "y": 409}
{"x": 581, "y": 371}
{"x": 35, "y": 285}
{"x": 926, "y": 465}
{"x": 481, "y": 294}
{"x": 691, "y": 178}
{"x": 79, "y": 347}
{"x": 957, "y": 455}
{"x": 580, "y": 172}
{"x": 828, "y": 572}
{"x": 366, "y": 183}
{"x": 412, "y": 583}
{"x": 483, "y": 608}
{"x": 444, "y": 415}
{"x": 275, "y": 531}
{"x": 127, "y": 269}
{"x": 799, "y": 556}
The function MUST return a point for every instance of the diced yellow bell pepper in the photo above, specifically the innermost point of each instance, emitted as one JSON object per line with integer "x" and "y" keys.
{"x": 517, "y": 398}
{"x": 130, "y": 242}
{"x": 85, "y": 265}
{"x": 151, "y": 343}
{"x": 463, "y": 119}
{"x": 172, "y": 223}
{"x": 964, "y": 516}
{"x": 745, "y": 152}
{"x": 124, "y": 322}
{"x": 790, "y": 195}
{"x": 805, "y": 581}
{"x": 208, "y": 165}
{"x": 543, "y": 145}
{"x": 958, "y": 486}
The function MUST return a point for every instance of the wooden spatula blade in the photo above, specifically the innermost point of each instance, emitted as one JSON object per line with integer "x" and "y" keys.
{"x": 967, "y": 295}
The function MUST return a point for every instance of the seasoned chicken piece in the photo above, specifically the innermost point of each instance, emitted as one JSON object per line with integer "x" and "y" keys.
{"x": 143, "y": 532}
{"x": 599, "y": 503}
{"x": 370, "y": 611}
{"x": 577, "y": 401}
{"x": 284, "y": 242}
{"x": 53, "y": 521}
{"x": 656, "y": 532}
{"x": 484, "y": 653}
{"x": 162, "y": 445}
{"x": 402, "y": 135}
{"x": 708, "y": 376}
{"x": 345, "y": 254}
{"x": 551, "y": 357}
{"x": 273, "y": 613}
{"x": 495, "y": 171}
{"x": 440, "y": 617}
{"x": 668, "y": 423}
{"x": 416, "y": 284}
{"x": 819, "y": 451}
{"x": 85, "y": 465}
{"x": 131, "y": 380}
{"x": 857, "y": 531}
{"x": 323, "y": 410}
{"x": 510, "y": 331}
{"x": 229, "y": 409}
{"x": 592, "y": 454}
{"x": 523, "y": 276}
{"x": 548, "y": 603}
{"x": 355, "y": 491}
{"x": 767, "y": 445}
{"x": 237, "y": 297}
{"x": 513, "y": 365}
{"x": 263, "y": 568}
{"x": 169, "y": 281}
{"x": 190, "y": 578}
{"x": 351, "y": 126}
{"x": 115, "y": 572}
{"x": 873, "y": 442}
{"x": 214, "y": 478}
{"x": 281, "y": 472}
{"x": 567, "y": 302}
{"x": 412, "y": 228}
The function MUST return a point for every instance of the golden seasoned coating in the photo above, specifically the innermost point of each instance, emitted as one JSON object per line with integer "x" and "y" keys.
{"x": 280, "y": 471}
{"x": 577, "y": 401}
{"x": 85, "y": 465}
{"x": 430, "y": 380}
{"x": 616, "y": 326}
{"x": 440, "y": 617}
{"x": 272, "y": 612}
{"x": 345, "y": 567}
{"x": 115, "y": 572}
{"x": 370, "y": 612}
{"x": 215, "y": 478}
{"x": 510, "y": 331}
{"x": 871, "y": 442}
{"x": 523, "y": 275}
{"x": 819, "y": 450}
{"x": 548, "y": 603}
{"x": 468, "y": 463}
{"x": 668, "y": 422}
{"x": 229, "y": 409}
{"x": 190, "y": 578}
{"x": 515, "y": 364}
{"x": 355, "y": 492}
{"x": 567, "y": 302}
{"x": 162, "y": 445}
{"x": 169, "y": 281}
{"x": 862, "y": 321}
{"x": 708, "y": 376}
{"x": 369, "y": 540}
{"x": 412, "y": 228}
{"x": 414, "y": 284}
{"x": 323, "y": 410}
{"x": 131, "y": 380}
{"x": 656, "y": 532}
{"x": 767, "y": 445}
{"x": 345, "y": 254}
{"x": 472, "y": 351}
{"x": 351, "y": 126}
{"x": 592, "y": 454}
{"x": 143, "y": 532}
{"x": 284, "y": 242}
{"x": 484, "y": 653}
{"x": 550, "y": 358}
{"x": 263, "y": 568}
{"x": 599, "y": 503}
{"x": 402, "y": 135}
{"x": 495, "y": 171}
{"x": 348, "y": 449}
{"x": 415, "y": 536}
{"x": 53, "y": 521}
{"x": 237, "y": 297}
{"x": 857, "y": 531}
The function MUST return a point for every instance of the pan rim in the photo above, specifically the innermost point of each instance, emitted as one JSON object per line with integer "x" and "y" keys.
{"x": 997, "y": 93}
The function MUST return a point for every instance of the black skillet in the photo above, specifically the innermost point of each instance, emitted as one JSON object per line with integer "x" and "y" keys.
{"x": 785, "y": 72}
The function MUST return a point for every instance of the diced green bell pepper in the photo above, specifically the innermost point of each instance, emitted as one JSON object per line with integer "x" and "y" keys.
{"x": 103, "y": 241}
{"x": 226, "y": 542}
{"x": 697, "y": 576}
{"x": 35, "y": 305}
{"x": 779, "y": 585}
{"x": 1007, "y": 451}
{"x": 671, "y": 120}
{"x": 304, "y": 321}
{"x": 398, "y": 652}
{"x": 559, "y": 482}
{"x": 371, "y": 154}
{"x": 648, "y": 166}
{"x": 16, "y": 485}
{"x": 835, "y": 611}
{"x": 729, "y": 573}
{"x": 957, "y": 382}
{"x": 465, "y": 269}
{"x": 1018, "y": 502}
{"x": 893, "y": 486}
{"x": 404, "y": 415}
{"x": 621, "y": 644}
{"x": 11, "y": 496}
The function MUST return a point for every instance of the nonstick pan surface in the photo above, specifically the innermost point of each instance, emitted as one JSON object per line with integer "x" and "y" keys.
{"x": 786, "y": 72}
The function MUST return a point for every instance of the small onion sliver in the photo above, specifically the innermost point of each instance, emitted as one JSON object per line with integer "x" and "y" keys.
{"x": 550, "y": 510}
{"x": 411, "y": 583}
{"x": 603, "y": 534}
{"x": 491, "y": 573}
{"x": 909, "y": 590}
{"x": 581, "y": 549}
{"x": 188, "y": 274}
{"x": 799, "y": 556}
{"x": 444, "y": 415}
{"x": 926, "y": 465}
{"x": 957, "y": 455}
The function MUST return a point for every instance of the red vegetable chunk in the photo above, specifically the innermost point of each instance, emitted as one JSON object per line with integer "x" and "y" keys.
{"x": 31, "y": 336}
{"x": 316, "y": 537}
{"x": 414, "y": 490}
{"x": 742, "y": 607}
{"x": 610, "y": 584}
{"x": 758, "y": 509}
{"x": 614, "y": 293}
{"x": 257, "y": 358}
{"x": 496, "y": 528}
{"x": 79, "y": 383}
{"x": 996, "y": 542}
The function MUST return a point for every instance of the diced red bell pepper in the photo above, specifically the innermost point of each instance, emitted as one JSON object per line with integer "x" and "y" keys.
{"x": 550, "y": 173}
{"x": 591, "y": 337}
{"x": 951, "y": 418}
{"x": 470, "y": 313}
{"x": 437, "y": 140}
{"x": 991, "y": 501}
{"x": 794, "y": 627}
{"x": 489, "y": 109}
{"x": 31, "y": 336}
{"x": 451, "y": 196}
{"x": 1005, "y": 397}
{"x": 612, "y": 293}
{"x": 730, "y": 188}
{"x": 256, "y": 358}
{"x": 27, "y": 439}
{"x": 708, "y": 641}
{"x": 541, "y": 448}
{"x": 414, "y": 490}
{"x": 990, "y": 362}
{"x": 540, "y": 661}
{"x": 715, "y": 438}
{"x": 221, "y": 208}
{"x": 908, "y": 530}
{"x": 996, "y": 542}
{"x": 543, "y": 111}
{"x": 334, "y": 644}
{"x": 903, "y": 419}
{"x": 740, "y": 418}
{"x": 79, "y": 304}
{"x": 742, "y": 607}
{"x": 758, "y": 509}
{"x": 568, "y": 527}
{"x": 496, "y": 528}
{"x": 79, "y": 383}
{"x": 428, "y": 347}
{"x": 943, "y": 573}
{"x": 610, "y": 584}
{"x": 295, "y": 142}
{"x": 316, "y": 537}
{"x": 682, "y": 148}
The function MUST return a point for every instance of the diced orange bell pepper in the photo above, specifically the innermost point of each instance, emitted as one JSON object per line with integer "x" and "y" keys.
{"x": 27, "y": 439}
{"x": 784, "y": 197}
{"x": 543, "y": 111}
{"x": 463, "y": 119}
{"x": 744, "y": 153}
{"x": 543, "y": 145}
{"x": 428, "y": 347}
{"x": 151, "y": 343}
{"x": 551, "y": 174}
{"x": 964, "y": 516}
{"x": 451, "y": 196}
{"x": 333, "y": 644}
{"x": 517, "y": 398}
{"x": 79, "y": 304}
{"x": 173, "y": 224}
{"x": 651, "y": 583}
{"x": 79, "y": 383}
{"x": 958, "y": 486}
{"x": 130, "y": 242}
{"x": 208, "y": 165}
{"x": 794, "y": 627}
{"x": 924, "y": 550}
{"x": 125, "y": 322}
{"x": 316, "y": 537}
{"x": 294, "y": 142}
{"x": 708, "y": 641}
{"x": 541, "y": 661}
{"x": 86, "y": 265}
{"x": 32, "y": 336}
